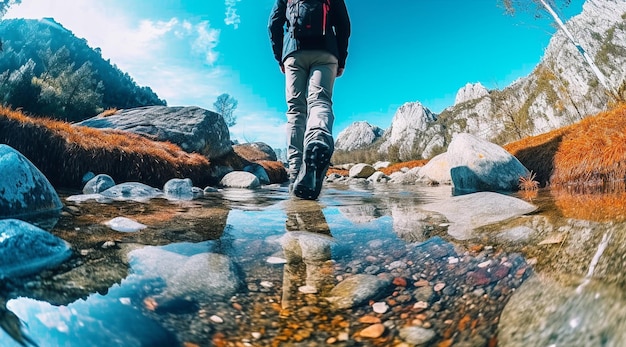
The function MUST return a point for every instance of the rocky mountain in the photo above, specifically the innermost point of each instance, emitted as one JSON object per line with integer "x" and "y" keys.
{"x": 561, "y": 90}
{"x": 358, "y": 135}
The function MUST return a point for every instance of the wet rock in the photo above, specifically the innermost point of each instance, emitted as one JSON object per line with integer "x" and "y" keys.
{"x": 360, "y": 214}
{"x": 416, "y": 336}
{"x": 26, "y": 249}
{"x": 424, "y": 294}
{"x": 132, "y": 191}
{"x": 204, "y": 275}
{"x": 25, "y": 192}
{"x": 124, "y": 225}
{"x": 98, "y": 184}
{"x": 544, "y": 312}
{"x": 356, "y": 290}
{"x": 259, "y": 172}
{"x": 361, "y": 171}
{"x": 240, "y": 179}
{"x": 478, "y": 165}
{"x": 468, "y": 212}
{"x": 378, "y": 177}
{"x": 179, "y": 189}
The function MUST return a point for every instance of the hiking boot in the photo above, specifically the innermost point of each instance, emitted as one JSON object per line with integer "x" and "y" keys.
{"x": 316, "y": 160}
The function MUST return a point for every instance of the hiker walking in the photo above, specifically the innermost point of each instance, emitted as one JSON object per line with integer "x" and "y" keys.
{"x": 310, "y": 42}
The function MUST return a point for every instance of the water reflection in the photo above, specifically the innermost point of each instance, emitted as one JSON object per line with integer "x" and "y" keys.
{"x": 307, "y": 249}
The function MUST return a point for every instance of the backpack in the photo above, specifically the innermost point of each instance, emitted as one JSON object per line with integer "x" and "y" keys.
{"x": 308, "y": 18}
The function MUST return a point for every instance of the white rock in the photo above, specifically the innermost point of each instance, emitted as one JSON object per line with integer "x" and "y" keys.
{"x": 380, "y": 307}
{"x": 124, "y": 225}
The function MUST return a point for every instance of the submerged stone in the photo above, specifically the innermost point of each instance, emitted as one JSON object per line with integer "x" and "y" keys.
{"x": 204, "y": 275}
{"x": 24, "y": 191}
{"x": 26, "y": 249}
{"x": 357, "y": 290}
{"x": 132, "y": 191}
{"x": 468, "y": 212}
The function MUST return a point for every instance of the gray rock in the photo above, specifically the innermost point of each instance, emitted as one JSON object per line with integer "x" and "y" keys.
{"x": 416, "y": 336}
{"x": 98, "y": 184}
{"x": 544, "y": 312}
{"x": 179, "y": 189}
{"x": 436, "y": 170}
{"x": 204, "y": 275}
{"x": 26, "y": 249}
{"x": 24, "y": 191}
{"x": 132, "y": 191}
{"x": 361, "y": 171}
{"x": 240, "y": 179}
{"x": 478, "y": 165}
{"x": 468, "y": 212}
{"x": 259, "y": 172}
{"x": 269, "y": 152}
{"x": 356, "y": 290}
{"x": 379, "y": 177}
{"x": 192, "y": 128}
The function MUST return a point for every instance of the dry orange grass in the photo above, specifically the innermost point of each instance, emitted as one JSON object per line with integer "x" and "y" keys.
{"x": 64, "y": 153}
{"x": 398, "y": 166}
{"x": 589, "y": 153}
{"x": 275, "y": 170}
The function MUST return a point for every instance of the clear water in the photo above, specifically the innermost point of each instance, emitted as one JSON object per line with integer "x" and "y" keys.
{"x": 288, "y": 255}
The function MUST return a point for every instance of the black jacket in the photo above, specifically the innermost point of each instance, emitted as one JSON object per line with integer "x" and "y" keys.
{"x": 336, "y": 42}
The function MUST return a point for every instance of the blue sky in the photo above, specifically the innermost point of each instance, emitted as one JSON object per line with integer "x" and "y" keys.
{"x": 190, "y": 51}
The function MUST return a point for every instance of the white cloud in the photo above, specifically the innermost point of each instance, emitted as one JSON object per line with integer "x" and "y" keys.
{"x": 207, "y": 41}
{"x": 232, "y": 18}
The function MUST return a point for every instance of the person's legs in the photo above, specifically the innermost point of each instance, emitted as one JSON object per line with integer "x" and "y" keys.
{"x": 318, "y": 139}
{"x": 296, "y": 79}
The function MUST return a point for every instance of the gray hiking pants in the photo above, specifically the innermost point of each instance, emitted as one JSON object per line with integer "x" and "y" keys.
{"x": 310, "y": 77}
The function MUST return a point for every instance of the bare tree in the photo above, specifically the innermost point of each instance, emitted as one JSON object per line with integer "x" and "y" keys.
{"x": 549, "y": 6}
{"x": 225, "y": 105}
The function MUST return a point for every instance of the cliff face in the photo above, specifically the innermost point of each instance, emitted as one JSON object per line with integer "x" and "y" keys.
{"x": 560, "y": 91}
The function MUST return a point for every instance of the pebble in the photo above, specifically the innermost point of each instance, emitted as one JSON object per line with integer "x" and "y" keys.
{"x": 216, "y": 319}
{"x": 256, "y": 335}
{"x": 307, "y": 289}
{"x": 373, "y": 331}
{"x": 484, "y": 264}
{"x": 380, "y": 307}
{"x": 266, "y": 284}
{"x": 276, "y": 260}
{"x": 369, "y": 320}
{"x": 453, "y": 260}
{"x": 439, "y": 286}
{"x": 416, "y": 335}
{"x": 108, "y": 244}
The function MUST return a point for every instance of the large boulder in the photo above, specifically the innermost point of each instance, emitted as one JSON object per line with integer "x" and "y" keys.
{"x": 26, "y": 249}
{"x": 25, "y": 192}
{"x": 255, "y": 151}
{"x": 192, "y": 128}
{"x": 478, "y": 165}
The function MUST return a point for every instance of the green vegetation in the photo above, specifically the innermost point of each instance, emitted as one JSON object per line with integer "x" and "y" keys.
{"x": 46, "y": 71}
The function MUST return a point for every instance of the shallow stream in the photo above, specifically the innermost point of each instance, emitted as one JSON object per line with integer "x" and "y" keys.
{"x": 154, "y": 287}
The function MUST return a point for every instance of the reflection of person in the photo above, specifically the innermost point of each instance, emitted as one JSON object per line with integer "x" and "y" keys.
{"x": 306, "y": 246}
{"x": 310, "y": 62}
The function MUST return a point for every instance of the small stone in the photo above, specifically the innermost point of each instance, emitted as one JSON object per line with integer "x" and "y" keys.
{"x": 331, "y": 340}
{"x": 421, "y": 283}
{"x": 439, "y": 286}
{"x": 343, "y": 336}
{"x": 399, "y": 281}
{"x": 307, "y": 289}
{"x": 453, "y": 260}
{"x": 216, "y": 319}
{"x": 266, "y": 284}
{"x": 380, "y": 307}
{"x": 276, "y": 260}
{"x": 484, "y": 264}
{"x": 369, "y": 320}
{"x": 420, "y": 305}
{"x": 416, "y": 336}
{"x": 373, "y": 331}
{"x": 108, "y": 244}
